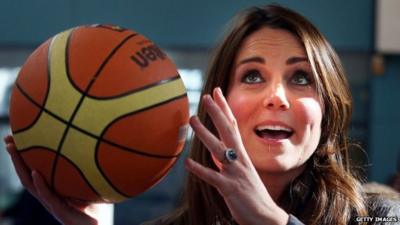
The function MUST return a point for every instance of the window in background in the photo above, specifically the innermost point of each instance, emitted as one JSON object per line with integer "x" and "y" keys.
{"x": 193, "y": 80}
{"x": 7, "y": 77}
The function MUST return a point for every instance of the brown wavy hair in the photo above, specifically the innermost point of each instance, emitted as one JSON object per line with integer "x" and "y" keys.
{"x": 326, "y": 192}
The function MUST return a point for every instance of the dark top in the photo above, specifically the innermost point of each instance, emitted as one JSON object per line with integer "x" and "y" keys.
{"x": 29, "y": 211}
{"x": 384, "y": 210}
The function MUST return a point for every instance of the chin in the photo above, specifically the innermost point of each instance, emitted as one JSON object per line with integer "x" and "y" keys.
{"x": 277, "y": 165}
{"x": 271, "y": 166}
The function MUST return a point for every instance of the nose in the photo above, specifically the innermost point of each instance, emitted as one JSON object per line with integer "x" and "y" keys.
{"x": 276, "y": 98}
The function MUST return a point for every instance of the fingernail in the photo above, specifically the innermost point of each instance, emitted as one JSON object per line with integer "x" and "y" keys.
{"x": 219, "y": 90}
{"x": 207, "y": 99}
{"x": 206, "y": 96}
{"x": 192, "y": 119}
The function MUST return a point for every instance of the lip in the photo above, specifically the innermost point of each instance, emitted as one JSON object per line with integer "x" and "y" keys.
{"x": 273, "y": 141}
{"x": 274, "y": 123}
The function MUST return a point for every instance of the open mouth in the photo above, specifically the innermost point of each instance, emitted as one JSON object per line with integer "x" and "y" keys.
{"x": 274, "y": 132}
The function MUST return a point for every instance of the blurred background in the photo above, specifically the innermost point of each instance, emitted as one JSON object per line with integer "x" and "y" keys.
{"x": 365, "y": 33}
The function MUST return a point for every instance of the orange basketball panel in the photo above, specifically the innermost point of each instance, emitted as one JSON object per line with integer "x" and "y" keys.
{"x": 137, "y": 64}
{"x": 33, "y": 77}
{"x": 131, "y": 173}
{"x": 41, "y": 160}
{"x": 69, "y": 182}
{"x": 88, "y": 48}
{"x": 154, "y": 131}
{"x": 23, "y": 113}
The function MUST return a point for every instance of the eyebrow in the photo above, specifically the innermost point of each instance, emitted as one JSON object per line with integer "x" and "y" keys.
{"x": 294, "y": 60}
{"x": 259, "y": 59}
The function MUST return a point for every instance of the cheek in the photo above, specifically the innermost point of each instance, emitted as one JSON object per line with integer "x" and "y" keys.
{"x": 308, "y": 114}
{"x": 310, "y": 111}
{"x": 241, "y": 107}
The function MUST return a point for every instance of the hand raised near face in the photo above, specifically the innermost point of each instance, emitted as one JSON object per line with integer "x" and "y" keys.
{"x": 237, "y": 180}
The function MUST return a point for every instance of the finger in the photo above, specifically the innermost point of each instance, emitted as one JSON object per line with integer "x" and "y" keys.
{"x": 225, "y": 129}
{"x": 206, "y": 174}
{"x": 22, "y": 170}
{"x": 220, "y": 100}
{"x": 213, "y": 144}
{"x": 49, "y": 199}
{"x": 8, "y": 139}
{"x": 78, "y": 204}
{"x": 223, "y": 104}
{"x": 46, "y": 196}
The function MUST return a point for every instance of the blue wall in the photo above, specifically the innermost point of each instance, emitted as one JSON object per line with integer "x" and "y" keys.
{"x": 175, "y": 23}
{"x": 385, "y": 121}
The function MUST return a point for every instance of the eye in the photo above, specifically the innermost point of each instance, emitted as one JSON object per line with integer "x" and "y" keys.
{"x": 252, "y": 77}
{"x": 301, "y": 77}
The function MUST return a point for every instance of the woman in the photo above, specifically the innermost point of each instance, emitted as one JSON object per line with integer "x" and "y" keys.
{"x": 275, "y": 150}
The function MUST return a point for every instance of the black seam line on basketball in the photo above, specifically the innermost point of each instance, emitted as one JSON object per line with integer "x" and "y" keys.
{"x": 176, "y": 77}
{"x": 81, "y": 173}
{"x": 138, "y": 111}
{"x": 34, "y": 103}
{"x": 68, "y": 69}
{"x": 30, "y": 148}
{"x": 58, "y": 150}
{"x": 69, "y": 123}
{"x": 48, "y": 74}
{"x": 100, "y": 138}
{"x": 39, "y": 106}
{"x": 116, "y": 188}
{"x": 43, "y": 148}
{"x": 104, "y": 26}
{"x": 31, "y": 100}
{"x": 99, "y": 168}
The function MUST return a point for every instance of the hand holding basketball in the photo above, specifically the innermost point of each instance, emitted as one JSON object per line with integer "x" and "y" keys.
{"x": 66, "y": 211}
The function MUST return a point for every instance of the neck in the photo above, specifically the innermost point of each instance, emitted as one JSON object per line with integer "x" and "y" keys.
{"x": 276, "y": 182}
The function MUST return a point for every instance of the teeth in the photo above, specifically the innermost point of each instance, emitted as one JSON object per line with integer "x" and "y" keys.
{"x": 274, "y": 127}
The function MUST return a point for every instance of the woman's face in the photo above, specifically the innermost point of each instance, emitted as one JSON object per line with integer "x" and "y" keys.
{"x": 273, "y": 97}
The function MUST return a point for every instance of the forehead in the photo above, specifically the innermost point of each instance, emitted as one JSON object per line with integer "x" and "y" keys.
{"x": 272, "y": 42}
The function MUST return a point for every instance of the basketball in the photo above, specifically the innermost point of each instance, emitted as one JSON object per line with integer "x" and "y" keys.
{"x": 100, "y": 112}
